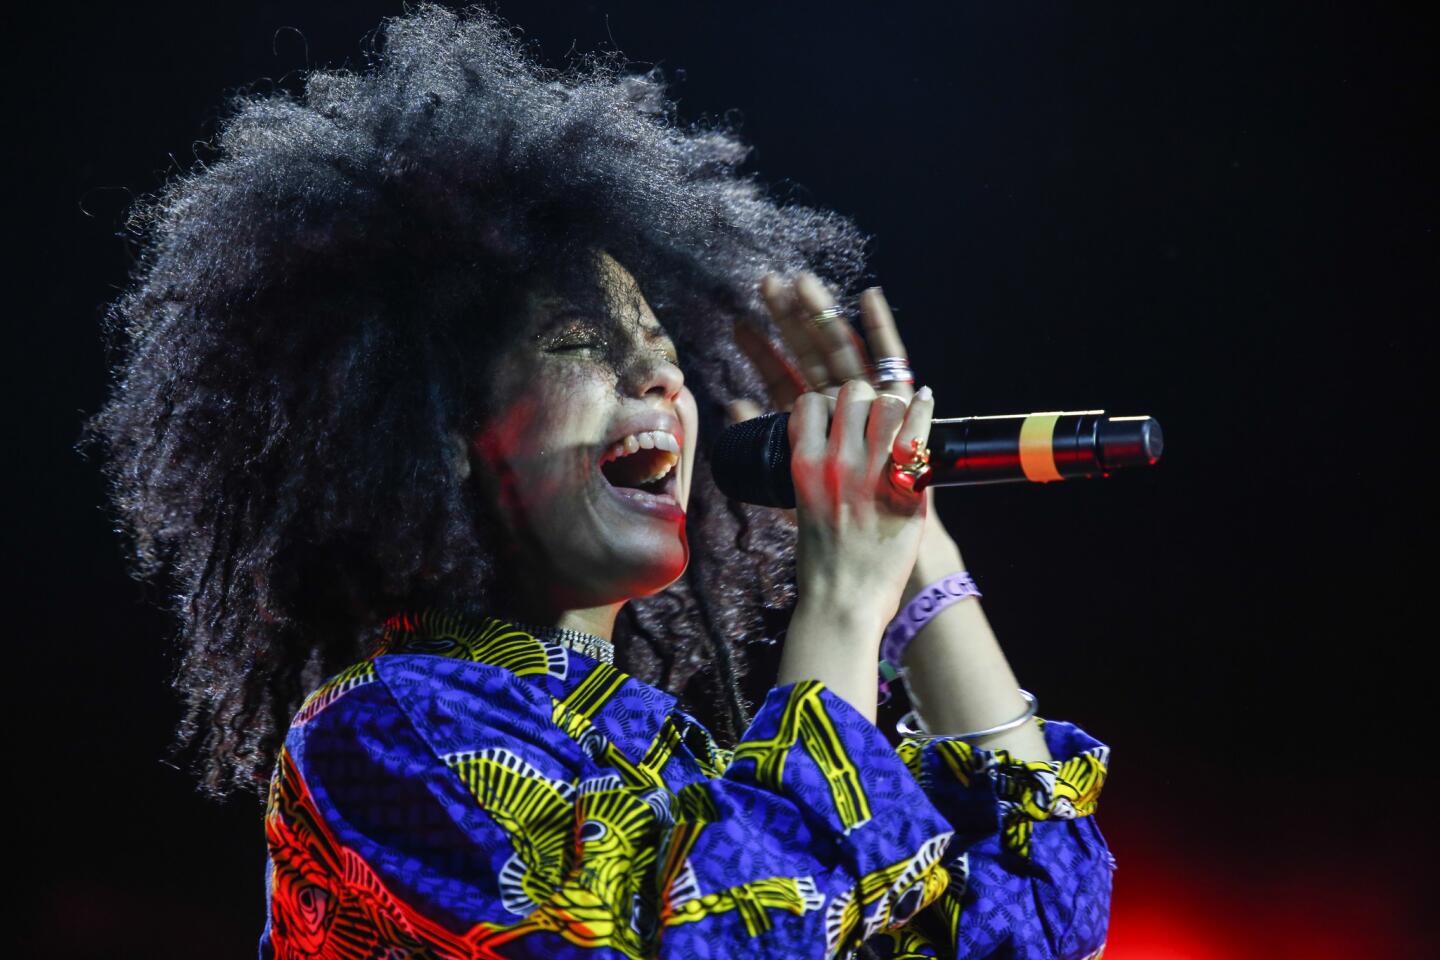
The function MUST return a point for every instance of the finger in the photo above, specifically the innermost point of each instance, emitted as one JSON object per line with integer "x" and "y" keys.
{"x": 779, "y": 298}
{"x": 883, "y": 336}
{"x": 806, "y": 432}
{"x": 847, "y": 428}
{"x": 913, "y": 436}
{"x": 886, "y": 416}
{"x": 783, "y": 382}
{"x": 836, "y": 340}
{"x": 738, "y": 411}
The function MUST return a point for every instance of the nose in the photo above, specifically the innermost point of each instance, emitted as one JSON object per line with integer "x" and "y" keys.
{"x": 652, "y": 372}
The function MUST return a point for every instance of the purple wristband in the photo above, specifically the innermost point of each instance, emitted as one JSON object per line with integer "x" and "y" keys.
{"x": 921, "y": 609}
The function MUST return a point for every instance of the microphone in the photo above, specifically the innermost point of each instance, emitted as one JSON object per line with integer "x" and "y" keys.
{"x": 751, "y": 460}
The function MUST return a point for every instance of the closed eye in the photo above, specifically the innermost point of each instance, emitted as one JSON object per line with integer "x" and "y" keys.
{"x": 578, "y": 332}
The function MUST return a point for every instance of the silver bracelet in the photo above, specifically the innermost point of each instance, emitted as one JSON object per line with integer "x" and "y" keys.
{"x": 918, "y": 731}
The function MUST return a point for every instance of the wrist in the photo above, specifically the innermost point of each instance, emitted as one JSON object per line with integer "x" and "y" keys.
{"x": 927, "y": 603}
{"x": 838, "y": 645}
{"x": 850, "y": 626}
{"x": 935, "y": 561}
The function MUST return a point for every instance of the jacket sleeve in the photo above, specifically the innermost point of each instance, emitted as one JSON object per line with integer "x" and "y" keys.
{"x": 473, "y": 820}
{"x": 1030, "y": 872}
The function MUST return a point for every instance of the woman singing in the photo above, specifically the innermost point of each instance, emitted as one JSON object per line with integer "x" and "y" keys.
{"x": 417, "y": 377}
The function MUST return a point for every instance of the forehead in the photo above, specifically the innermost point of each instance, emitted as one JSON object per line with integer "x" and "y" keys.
{"x": 624, "y": 290}
{"x": 615, "y": 272}
{"x": 620, "y": 296}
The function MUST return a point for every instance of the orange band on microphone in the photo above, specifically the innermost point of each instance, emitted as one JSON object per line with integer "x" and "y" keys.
{"x": 1037, "y": 447}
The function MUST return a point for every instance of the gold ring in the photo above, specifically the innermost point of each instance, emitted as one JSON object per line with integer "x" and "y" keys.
{"x": 912, "y": 477}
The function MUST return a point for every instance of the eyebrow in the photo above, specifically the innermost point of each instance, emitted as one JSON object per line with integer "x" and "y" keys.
{"x": 565, "y": 310}
{"x": 568, "y": 311}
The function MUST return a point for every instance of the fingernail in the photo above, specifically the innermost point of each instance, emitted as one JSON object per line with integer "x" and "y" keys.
{"x": 924, "y": 393}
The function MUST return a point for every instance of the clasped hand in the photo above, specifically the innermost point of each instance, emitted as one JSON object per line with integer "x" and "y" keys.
{"x": 858, "y": 534}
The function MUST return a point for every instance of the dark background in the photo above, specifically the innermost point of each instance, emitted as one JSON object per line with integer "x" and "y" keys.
{"x": 1222, "y": 215}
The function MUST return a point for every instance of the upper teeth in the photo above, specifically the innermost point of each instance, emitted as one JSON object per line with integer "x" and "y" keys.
{"x": 649, "y": 440}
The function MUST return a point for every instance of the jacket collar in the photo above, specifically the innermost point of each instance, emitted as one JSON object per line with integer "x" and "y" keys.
{"x": 621, "y": 705}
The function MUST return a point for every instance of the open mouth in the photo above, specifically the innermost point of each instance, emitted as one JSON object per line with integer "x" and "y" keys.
{"x": 645, "y": 476}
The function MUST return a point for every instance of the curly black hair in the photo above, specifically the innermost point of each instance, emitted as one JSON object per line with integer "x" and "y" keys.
{"x": 314, "y": 310}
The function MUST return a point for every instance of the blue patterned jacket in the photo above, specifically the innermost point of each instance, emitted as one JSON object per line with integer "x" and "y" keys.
{"x": 473, "y": 791}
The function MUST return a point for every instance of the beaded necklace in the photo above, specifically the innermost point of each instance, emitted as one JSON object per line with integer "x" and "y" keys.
{"x": 596, "y": 648}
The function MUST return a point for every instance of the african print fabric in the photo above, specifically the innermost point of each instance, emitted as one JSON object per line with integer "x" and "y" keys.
{"x": 471, "y": 791}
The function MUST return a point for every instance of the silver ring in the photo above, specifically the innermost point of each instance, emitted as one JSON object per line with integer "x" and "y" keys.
{"x": 893, "y": 370}
{"x": 828, "y": 316}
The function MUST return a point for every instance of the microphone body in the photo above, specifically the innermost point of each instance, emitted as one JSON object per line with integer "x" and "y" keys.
{"x": 751, "y": 460}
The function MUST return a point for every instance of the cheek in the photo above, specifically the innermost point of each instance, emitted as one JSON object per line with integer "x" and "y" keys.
{"x": 688, "y": 412}
{"x": 500, "y": 441}
{"x": 542, "y": 440}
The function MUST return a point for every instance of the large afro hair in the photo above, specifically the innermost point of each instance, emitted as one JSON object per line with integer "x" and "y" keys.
{"x": 315, "y": 307}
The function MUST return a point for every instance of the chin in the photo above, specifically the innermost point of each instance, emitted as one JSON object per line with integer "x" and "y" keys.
{"x": 662, "y": 575}
{"x": 657, "y": 569}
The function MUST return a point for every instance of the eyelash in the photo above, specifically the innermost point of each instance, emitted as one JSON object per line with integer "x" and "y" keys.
{"x": 599, "y": 343}
{"x": 583, "y": 345}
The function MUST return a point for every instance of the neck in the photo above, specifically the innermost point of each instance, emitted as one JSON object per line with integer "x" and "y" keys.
{"x": 596, "y": 621}
{"x": 551, "y": 608}
{"x": 540, "y": 601}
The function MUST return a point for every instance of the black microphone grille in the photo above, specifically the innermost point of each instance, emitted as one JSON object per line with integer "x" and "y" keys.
{"x": 751, "y": 461}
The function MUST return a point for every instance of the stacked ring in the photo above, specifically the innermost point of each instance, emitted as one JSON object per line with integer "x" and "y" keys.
{"x": 893, "y": 370}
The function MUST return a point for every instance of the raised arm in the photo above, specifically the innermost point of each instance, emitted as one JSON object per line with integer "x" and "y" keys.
{"x": 957, "y": 675}
{"x": 858, "y": 534}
